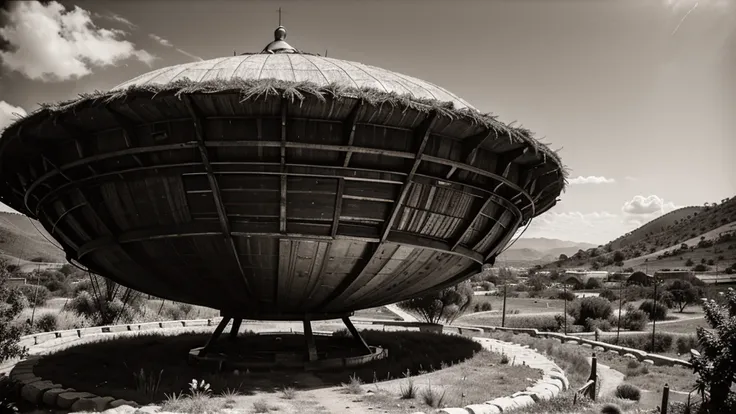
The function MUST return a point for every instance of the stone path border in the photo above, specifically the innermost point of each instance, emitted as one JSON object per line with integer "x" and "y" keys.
{"x": 37, "y": 390}
{"x": 553, "y": 380}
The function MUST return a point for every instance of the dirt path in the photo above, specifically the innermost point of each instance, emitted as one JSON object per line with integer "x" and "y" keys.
{"x": 608, "y": 380}
{"x": 407, "y": 317}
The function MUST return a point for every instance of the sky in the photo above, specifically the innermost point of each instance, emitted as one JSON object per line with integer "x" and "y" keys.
{"x": 639, "y": 95}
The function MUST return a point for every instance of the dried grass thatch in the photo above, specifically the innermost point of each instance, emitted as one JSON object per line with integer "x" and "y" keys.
{"x": 252, "y": 90}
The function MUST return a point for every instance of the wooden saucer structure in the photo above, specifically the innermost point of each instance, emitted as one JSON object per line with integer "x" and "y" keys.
{"x": 277, "y": 185}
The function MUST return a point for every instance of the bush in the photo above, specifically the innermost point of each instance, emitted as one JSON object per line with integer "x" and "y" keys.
{"x": 483, "y": 307}
{"x": 590, "y": 308}
{"x": 628, "y": 392}
{"x": 685, "y": 343}
{"x": 662, "y": 342}
{"x": 654, "y": 311}
{"x": 634, "y": 319}
{"x": 601, "y": 324}
{"x": 40, "y": 293}
{"x": 47, "y": 323}
{"x": 447, "y": 304}
{"x": 565, "y": 295}
{"x": 10, "y": 308}
{"x": 609, "y": 295}
{"x": 593, "y": 283}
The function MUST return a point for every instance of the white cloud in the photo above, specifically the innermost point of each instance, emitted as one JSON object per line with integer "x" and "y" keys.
{"x": 49, "y": 43}
{"x": 160, "y": 40}
{"x": 640, "y": 205}
{"x": 9, "y": 114}
{"x": 117, "y": 18}
{"x": 591, "y": 179}
{"x": 164, "y": 42}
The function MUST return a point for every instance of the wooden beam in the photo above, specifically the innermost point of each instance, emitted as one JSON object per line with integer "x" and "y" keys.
{"x": 338, "y": 206}
{"x": 422, "y": 135}
{"x": 472, "y": 270}
{"x": 128, "y": 128}
{"x": 219, "y": 205}
{"x": 349, "y": 126}
{"x": 467, "y": 228}
{"x": 216, "y": 334}
{"x": 470, "y": 146}
{"x": 282, "y": 202}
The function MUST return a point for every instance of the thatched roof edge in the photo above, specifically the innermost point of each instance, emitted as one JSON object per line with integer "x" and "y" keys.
{"x": 298, "y": 91}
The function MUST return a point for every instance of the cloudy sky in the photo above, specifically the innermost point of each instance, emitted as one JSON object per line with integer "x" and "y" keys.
{"x": 639, "y": 94}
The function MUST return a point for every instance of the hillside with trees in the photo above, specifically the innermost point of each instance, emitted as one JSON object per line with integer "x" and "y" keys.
{"x": 707, "y": 234}
{"x": 23, "y": 238}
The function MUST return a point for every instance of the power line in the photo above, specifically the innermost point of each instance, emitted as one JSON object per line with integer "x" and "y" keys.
{"x": 44, "y": 236}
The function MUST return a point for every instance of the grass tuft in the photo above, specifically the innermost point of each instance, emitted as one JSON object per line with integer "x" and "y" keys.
{"x": 409, "y": 391}
{"x": 261, "y": 406}
{"x": 355, "y": 386}
{"x": 288, "y": 393}
{"x": 433, "y": 397}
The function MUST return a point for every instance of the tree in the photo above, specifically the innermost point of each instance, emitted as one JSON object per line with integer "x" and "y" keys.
{"x": 593, "y": 283}
{"x": 715, "y": 366}
{"x": 12, "y": 303}
{"x": 618, "y": 256}
{"x": 447, "y": 304}
{"x": 655, "y": 312}
{"x": 683, "y": 294}
{"x": 590, "y": 308}
{"x": 689, "y": 262}
{"x": 538, "y": 282}
{"x": 563, "y": 257}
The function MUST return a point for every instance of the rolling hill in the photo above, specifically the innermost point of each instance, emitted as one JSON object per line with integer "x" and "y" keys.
{"x": 22, "y": 242}
{"x": 655, "y": 242}
{"x": 532, "y": 251}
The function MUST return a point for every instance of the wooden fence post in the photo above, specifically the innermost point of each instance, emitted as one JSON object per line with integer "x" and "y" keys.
{"x": 665, "y": 398}
{"x": 593, "y": 376}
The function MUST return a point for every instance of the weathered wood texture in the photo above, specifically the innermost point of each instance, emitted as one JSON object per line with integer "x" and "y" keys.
{"x": 330, "y": 206}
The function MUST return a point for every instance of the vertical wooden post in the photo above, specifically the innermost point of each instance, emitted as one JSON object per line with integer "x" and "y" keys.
{"x": 235, "y": 329}
{"x": 309, "y": 338}
{"x": 665, "y": 398}
{"x": 593, "y": 376}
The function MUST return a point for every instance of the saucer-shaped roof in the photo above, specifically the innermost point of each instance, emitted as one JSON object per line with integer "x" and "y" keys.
{"x": 282, "y": 62}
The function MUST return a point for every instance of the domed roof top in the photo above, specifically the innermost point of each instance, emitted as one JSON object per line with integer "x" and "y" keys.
{"x": 281, "y": 61}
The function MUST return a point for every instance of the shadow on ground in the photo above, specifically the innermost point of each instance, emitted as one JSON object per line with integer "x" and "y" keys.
{"x": 122, "y": 367}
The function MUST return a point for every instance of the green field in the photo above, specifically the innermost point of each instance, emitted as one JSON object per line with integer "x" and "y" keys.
{"x": 522, "y": 305}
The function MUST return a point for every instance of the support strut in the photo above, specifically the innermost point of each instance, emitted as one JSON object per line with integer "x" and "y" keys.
{"x": 353, "y": 331}
{"x": 218, "y": 331}
{"x": 309, "y": 339}
{"x": 235, "y": 329}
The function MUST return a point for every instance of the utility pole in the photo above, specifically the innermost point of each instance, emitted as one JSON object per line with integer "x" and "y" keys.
{"x": 35, "y": 293}
{"x": 564, "y": 296}
{"x": 620, "y": 302}
{"x": 654, "y": 311}
{"x": 503, "y": 314}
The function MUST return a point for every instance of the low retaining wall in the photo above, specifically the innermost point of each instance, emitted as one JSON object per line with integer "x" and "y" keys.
{"x": 637, "y": 353}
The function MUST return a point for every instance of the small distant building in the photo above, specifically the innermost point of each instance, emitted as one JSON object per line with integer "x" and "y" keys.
{"x": 640, "y": 278}
{"x": 710, "y": 279}
{"x": 581, "y": 277}
{"x": 675, "y": 274}
{"x": 16, "y": 281}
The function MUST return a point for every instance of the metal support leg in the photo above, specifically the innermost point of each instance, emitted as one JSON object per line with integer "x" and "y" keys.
{"x": 309, "y": 338}
{"x": 236, "y": 328}
{"x": 353, "y": 331}
{"x": 215, "y": 335}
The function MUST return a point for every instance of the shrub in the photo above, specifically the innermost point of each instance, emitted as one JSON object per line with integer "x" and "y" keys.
{"x": 683, "y": 294}
{"x": 611, "y": 409}
{"x": 590, "y": 308}
{"x": 47, "y": 323}
{"x": 628, "y": 392}
{"x": 565, "y": 295}
{"x": 37, "y": 292}
{"x": 447, "y": 304}
{"x": 593, "y": 283}
{"x": 11, "y": 303}
{"x": 715, "y": 365}
{"x": 685, "y": 343}
{"x": 593, "y": 324}
{"x": 609, "y": 295}
{"x": 662, "y": 342}
{"x": 634, "y": 319}
{"x": 483, "y": 307}
{"x": 654, "y": 311}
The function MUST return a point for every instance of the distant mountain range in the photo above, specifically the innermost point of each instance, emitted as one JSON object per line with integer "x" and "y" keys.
{"x": 539, "y": 250}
